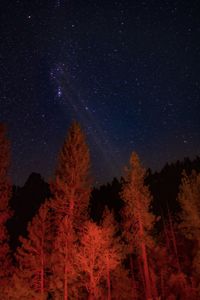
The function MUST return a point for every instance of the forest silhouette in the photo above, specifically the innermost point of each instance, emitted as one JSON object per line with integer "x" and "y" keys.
{"x": 137, "y": 237}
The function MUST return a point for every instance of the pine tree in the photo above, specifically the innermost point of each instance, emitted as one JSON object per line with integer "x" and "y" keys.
{"x": 63, "y": 281}
{"x": 71, "y": 190}
{"x": 188, "y": 198}
{"x": 32, "y": 258}
{"x": 71, "y": 187}
{"x": 138, "y": 221}
{"x": 5, "y": 213}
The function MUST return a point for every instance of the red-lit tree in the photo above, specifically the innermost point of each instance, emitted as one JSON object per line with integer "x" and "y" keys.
{"x": 71, "y": 187}
{"x": 5, "y": 213}
{"x": 71, "y": 190}
{"x": 97, "y": 257}
{"x": 30, "y": 280}
{"x": 114, "y": 252}
{"x": 89, "y": 260}
{"x": 122, "y": 284}
{"x": 189, "y": 199}
{"x": 138, "y": 221}
{"x": 63, "y": 279}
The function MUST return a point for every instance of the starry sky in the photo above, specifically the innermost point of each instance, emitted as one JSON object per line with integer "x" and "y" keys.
{"x": 128, "y": 71}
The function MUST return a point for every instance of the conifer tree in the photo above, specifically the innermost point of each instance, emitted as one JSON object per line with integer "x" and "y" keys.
{"x": 5, "y": 213}
{"x": 138, "y": 221}
{"x": 71, "y": 187}
{"x": 71, "y": 190}
{"x": 63, "y": 279}
{"x": 188, "y": 198}
{"x": 32, "y": 258}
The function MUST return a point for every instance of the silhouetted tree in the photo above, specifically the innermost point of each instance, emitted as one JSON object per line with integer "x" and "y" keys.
{"x": 25, "y": 202}
{"x": 106, "y": 195}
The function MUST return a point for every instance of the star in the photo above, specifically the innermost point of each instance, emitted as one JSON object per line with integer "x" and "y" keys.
{"x": 59, "y": 92}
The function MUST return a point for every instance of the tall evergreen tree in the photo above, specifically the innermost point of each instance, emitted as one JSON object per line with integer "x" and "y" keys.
{"x": 32, "y": 258}
{"x": 63, "y": 279}
{"x": 71, "y": 191}
{"x": 5, "y": 213}
{"x": 71, "y": 187}
{"x": 189, "y": 199}
{"x": 138, "y": 221}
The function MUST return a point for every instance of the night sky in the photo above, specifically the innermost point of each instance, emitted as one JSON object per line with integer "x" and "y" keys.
{"x": 128, "y": 71}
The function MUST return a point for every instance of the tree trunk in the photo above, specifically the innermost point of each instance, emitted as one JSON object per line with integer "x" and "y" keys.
{"x": 42, "y": 266}
{"x": 146, "y": 272}
{"x": 42, "y": 279}
{"x": 174, "y": 241}
{"x": 65, "y": 283}
{"x": 144, "y": 258}
{"x": 134, "y": 293}
{"x": 108, "y": 279}
{"x": 65, "y": 272}
{"x": 162, "y": 284}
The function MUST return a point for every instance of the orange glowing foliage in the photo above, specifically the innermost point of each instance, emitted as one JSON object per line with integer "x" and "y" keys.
{"x": 71, "y": 191}
{"x": 138, "y": 220}
{"x": 66, "y": 256}
{"x": 63, "y": 278}
{"x": 33, "y": 257}
{"x": 189, "y": 199}
{"x": 114, "y": 252}
{"x": 71, "y": 187}
{"x": 97, "y": 257}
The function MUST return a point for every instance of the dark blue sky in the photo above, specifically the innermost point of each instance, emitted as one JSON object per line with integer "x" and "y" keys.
{"x": 127, "y": 70}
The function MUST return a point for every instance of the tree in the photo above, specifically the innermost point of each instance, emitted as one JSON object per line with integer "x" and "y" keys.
{"x": 32, "y": 258}
{"x": 89, "y": 259}
{"x": 138, "y": 221}
{"x": 71, "y": 190}
{"x": 113, "y": 253}
{"x": 122, "y": 283}
{"x": 188, "y": 198}
{"x": 97, "y": 256}
{"x": 5, "y": 213}
{"x": 63, "y": 279}
{"x": 71, "y": 187}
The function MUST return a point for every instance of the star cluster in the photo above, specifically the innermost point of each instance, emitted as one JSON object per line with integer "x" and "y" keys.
{"x": 128, "y": 71}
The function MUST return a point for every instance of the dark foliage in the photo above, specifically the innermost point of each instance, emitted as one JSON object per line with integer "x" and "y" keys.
{"x": 25, "y": 202}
